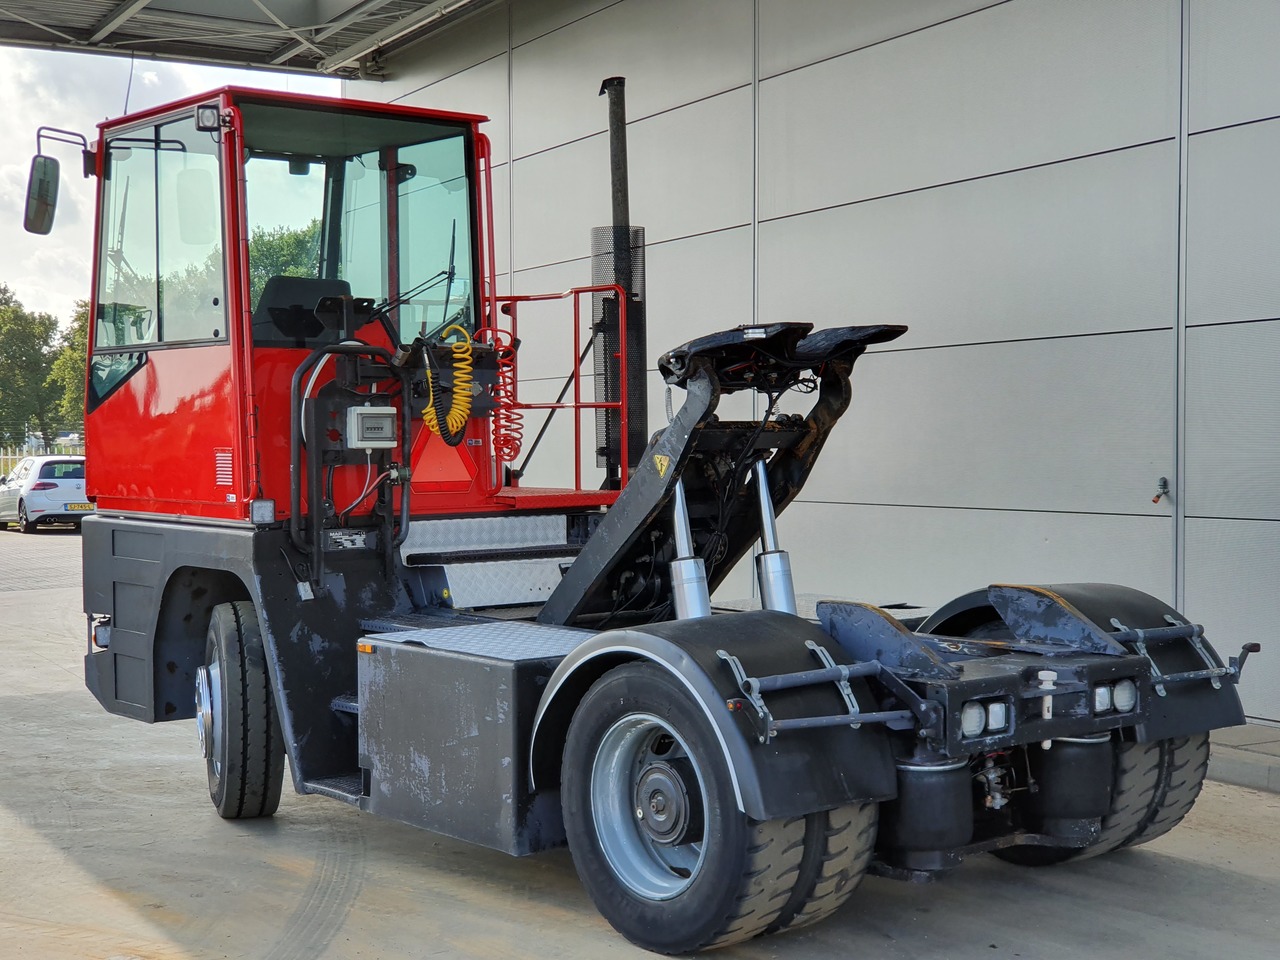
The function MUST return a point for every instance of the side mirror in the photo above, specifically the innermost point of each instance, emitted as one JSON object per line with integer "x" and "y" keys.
{"x": 42, "y": 195}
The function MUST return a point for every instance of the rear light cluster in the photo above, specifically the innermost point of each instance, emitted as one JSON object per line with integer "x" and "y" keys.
{"x": 1122, "y": 697}
{"x": 979, "y": 717}
{"x": 43, "y": 485}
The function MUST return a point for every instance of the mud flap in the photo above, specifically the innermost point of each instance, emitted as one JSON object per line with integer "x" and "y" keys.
{"x": 789, "y": 774}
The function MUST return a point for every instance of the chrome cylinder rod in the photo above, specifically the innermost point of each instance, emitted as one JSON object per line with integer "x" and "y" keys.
{"x": 773, "y": 566}
{"x": 689, "y": 591}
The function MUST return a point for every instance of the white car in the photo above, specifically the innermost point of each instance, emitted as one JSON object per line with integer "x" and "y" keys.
{"x": 44, "y": 490}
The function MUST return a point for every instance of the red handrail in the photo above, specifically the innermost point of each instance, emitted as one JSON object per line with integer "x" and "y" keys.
{"x": 510, "y": 308}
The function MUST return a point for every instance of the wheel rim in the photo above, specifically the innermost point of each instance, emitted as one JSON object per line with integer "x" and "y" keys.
{"x": 22, "y": 515}
{"x": 209, "y": 714}
{"x": 647, "y": 803}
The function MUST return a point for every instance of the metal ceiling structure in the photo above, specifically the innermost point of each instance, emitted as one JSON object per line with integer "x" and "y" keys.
{"x": 333, "y": 37}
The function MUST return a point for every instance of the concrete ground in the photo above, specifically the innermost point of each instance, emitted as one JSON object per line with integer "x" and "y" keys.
{"x": 110, "y": 850}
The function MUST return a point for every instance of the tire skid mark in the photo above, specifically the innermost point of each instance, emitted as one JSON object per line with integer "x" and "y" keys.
{"x": 336, "y": 881}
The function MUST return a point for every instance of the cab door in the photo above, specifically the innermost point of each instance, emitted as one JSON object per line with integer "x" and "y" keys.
{"x": 163, "y": 412}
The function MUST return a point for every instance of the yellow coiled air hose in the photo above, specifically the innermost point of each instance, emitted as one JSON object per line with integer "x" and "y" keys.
{"x": 455, "y": 421}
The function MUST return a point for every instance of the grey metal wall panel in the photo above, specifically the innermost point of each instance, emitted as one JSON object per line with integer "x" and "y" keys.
{"x": 1080, "y": 424}
{"x": 1013, "y": 85}
{"x": 691, "y": 168}
{"x": 702, "y": 184}
{"x": 926, "y": 556}
{"x": 697, "y": 285}
{"x": 480, "y": 89}
{"x": 1233, "y": 421}
{"x": 559, "y": 196}
{"x": 795, "y": 34}
{"x": 671, "y": 52}
{"x": 1084, "y": 246}
{"x": 546, "y": 329}
{"x": 1234, "y": 70}
{"x": 1231, "y": 588}
{"x": 474, "y": 40}
{"x": 1233, "y": 206}
{"x": 530, "y": 21}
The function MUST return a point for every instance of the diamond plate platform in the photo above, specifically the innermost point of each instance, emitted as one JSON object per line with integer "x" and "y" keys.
{"x": 458, "y": 534}
{"x": 503, "y": 641}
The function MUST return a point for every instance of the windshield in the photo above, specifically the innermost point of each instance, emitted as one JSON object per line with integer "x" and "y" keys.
{"x": 342, "y": 202}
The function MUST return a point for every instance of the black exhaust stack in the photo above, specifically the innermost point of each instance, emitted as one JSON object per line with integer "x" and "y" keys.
{"x": 618, "y": 257}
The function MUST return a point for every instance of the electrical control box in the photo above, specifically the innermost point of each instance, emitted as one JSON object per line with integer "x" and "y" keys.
{"x": 371, "y": 428}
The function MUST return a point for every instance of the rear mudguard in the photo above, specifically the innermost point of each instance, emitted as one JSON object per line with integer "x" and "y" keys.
{"x": 1094, "y": 618}
{"x": 794, "y": 773}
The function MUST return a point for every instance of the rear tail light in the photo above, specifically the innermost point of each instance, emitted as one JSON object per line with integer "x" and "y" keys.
{"x": 43, "y": 485}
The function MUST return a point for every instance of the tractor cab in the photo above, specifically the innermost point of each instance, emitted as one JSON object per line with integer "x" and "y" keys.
{"x": 294, "y": 318}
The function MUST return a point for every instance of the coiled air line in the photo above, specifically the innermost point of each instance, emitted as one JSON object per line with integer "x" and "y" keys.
{"x": 453, "y": 429}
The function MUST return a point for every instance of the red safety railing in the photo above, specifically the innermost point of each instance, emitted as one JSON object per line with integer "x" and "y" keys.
{"x": 510, "y": 307}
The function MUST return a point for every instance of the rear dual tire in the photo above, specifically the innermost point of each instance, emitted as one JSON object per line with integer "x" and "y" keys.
{"x": 1154, "y": 785}
{"x": 657, "y": 837}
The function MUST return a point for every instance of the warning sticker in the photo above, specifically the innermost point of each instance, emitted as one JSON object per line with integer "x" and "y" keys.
{"x": 662, "y": 463}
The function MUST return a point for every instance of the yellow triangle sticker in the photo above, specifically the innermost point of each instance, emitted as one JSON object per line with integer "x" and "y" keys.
{"x": 662, "y": 463}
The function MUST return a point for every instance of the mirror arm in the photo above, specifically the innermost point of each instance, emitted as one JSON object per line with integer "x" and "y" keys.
{"x": 89, "y": 167}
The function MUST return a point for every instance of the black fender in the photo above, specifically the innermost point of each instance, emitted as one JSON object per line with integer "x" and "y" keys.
{"x": 794, "y": 773}
{"x": 1088, "y": 616}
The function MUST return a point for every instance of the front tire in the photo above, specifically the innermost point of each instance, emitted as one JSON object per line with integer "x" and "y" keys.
{"x": 236, "y": 718}
{"x": 653, "y": 824}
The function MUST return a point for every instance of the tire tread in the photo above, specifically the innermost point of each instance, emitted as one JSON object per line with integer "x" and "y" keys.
{"x": 839, "y": 845}
{"x": 253, "y": 769}
{"x": 774, "y": 853}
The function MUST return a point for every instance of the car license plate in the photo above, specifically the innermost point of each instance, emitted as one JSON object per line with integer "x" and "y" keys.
{"x": 79, "y": 506}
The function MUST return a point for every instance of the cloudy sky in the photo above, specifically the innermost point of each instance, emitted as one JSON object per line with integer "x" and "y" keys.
{"x": 76, "y": 92}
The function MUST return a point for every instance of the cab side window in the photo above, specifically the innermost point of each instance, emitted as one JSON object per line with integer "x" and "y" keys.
{"x": 161, "y": 262}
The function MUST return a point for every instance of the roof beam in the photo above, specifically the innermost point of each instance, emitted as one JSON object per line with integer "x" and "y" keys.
{"x": 289, "y": 30}
{"x": 352, "y": 55}
{"x": 335, "y": 25}
{"x": 115, "y": 18}
{"x": 39, "y": 26}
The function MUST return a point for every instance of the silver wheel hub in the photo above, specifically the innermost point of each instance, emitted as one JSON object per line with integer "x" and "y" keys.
{"x": 209, "y": 711}
{"x": 663, "y": 803}
{"x": 647, "y": 807}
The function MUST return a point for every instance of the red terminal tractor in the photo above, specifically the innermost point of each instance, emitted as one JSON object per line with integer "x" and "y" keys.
{"x": 305, "y": 406}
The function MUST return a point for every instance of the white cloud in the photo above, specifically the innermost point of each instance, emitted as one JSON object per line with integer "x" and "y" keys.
{"x": 76, "y": 92}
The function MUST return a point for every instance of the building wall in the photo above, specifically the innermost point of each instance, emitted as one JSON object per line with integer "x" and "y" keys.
{"x": 1072, "y": 206}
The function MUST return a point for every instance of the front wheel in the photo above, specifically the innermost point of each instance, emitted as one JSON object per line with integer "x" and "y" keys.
{"x": 653, "y": 824}
{"x": 236, "y": 717}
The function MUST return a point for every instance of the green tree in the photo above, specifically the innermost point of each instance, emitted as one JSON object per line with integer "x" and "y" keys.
{"x": 67, "y": 372}
{"x": 282, "y": 251}
{"x": 27, "y": 349}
